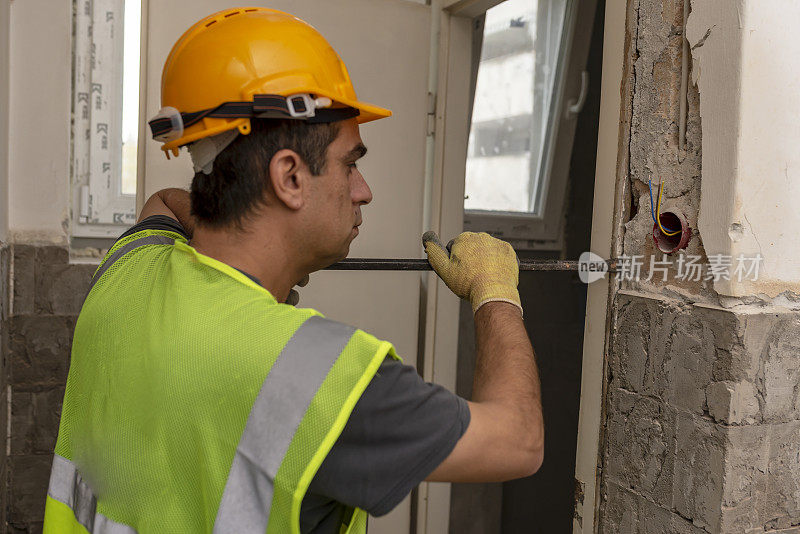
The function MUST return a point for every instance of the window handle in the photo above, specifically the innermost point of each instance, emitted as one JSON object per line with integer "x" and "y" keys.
{"x": 574, "y": 107}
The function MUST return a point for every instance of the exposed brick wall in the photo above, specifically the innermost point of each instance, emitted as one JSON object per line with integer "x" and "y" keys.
{"x": 47, "y": 295}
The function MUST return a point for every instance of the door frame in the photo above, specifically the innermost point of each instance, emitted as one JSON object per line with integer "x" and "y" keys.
{"x": 600, "y": 295}
{"x": 451, "y": 40}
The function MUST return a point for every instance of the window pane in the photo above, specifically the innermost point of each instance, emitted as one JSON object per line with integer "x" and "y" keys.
{"x": 105, "y": 119}
{"x": 130, "y": 95}
{"x": 511, "y": 114}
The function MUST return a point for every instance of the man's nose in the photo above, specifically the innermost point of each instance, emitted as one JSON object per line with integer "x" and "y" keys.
{"x": 362, "y": 194}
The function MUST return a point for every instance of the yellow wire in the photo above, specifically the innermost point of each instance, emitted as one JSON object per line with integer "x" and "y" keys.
{"x": 658, "y": 214}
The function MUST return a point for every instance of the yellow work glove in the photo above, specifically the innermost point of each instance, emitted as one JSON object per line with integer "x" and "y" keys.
{"x": 477, "y": 267}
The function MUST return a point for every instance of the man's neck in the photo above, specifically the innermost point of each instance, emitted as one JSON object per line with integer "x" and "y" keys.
{"x": 265, "y": 259}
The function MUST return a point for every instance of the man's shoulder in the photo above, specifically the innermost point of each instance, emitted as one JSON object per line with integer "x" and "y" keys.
{"x": 158, "y": 223}
{"x": 157, "y": 229}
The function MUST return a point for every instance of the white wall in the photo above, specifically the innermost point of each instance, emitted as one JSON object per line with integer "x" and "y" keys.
{"x": 39, "y": 120}
{"x": 747, "y": 66}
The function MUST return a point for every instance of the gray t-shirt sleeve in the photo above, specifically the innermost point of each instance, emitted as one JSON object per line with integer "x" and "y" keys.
{"x": 400, "y": 430}
{"x": 157, "y": 222}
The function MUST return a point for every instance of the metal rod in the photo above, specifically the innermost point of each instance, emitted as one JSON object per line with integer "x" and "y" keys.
{"x": 405, "y": 264}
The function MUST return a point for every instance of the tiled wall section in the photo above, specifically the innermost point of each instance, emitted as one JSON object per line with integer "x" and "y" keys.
{"x": 46, "y": 293}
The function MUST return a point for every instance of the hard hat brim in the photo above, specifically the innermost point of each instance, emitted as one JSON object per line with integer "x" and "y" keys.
{"x": 368, "y": 112}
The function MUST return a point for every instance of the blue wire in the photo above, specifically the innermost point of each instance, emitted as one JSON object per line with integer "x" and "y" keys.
{"x": 652, "y": 211}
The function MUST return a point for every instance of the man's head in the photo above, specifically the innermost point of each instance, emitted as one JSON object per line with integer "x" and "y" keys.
{"x": 291, "y": 177}
{"x": 288, "y": 180}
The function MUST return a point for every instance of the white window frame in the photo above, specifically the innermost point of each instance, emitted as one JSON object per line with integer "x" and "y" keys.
{"x": 543, "y": 230}
{"x": 99, "y": 208}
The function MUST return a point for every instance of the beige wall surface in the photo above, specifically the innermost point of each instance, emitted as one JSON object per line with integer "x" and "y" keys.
{"x": 5, "y": 14}
{"x": 385, "y": 45}
{"x": 39, "y": 117}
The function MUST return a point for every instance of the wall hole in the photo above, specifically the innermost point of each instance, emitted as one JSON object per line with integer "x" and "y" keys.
{"x": 672, "y": 222}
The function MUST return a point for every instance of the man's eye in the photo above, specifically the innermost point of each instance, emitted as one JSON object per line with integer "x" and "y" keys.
{"x": 352, "y": 166}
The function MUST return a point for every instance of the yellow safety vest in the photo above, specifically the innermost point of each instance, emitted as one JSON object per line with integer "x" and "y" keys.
{"x": 197, "y": 403}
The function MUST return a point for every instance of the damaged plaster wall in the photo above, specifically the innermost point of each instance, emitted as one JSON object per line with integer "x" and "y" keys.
{"x": 703, "y": 423}
{"x": 702, "y": 409}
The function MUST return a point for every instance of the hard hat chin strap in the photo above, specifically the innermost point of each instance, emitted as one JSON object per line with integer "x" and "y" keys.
{"x": 169, "y": 124}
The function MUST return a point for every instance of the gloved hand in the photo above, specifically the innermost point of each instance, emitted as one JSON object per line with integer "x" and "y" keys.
{"x": 477, "y": 267}
{"x": 294, "y": 297}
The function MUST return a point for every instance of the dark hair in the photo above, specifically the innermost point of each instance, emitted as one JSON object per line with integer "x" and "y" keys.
{"x": 239, "y": 181}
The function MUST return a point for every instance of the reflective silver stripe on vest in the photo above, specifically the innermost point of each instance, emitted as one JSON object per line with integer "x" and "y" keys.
{"x": 68, "y": 487}
{"x": 136, "y": 243}
{"x": 281, "y": 403}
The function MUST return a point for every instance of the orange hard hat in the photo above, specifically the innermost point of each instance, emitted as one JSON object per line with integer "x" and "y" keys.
{"x": 252, "y": 62}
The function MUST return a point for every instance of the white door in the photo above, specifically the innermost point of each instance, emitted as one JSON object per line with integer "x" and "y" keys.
{"x": 385, "y": 45}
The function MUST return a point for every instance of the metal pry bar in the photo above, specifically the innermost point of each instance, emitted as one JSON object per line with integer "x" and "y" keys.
{"x": 405, "y": 264}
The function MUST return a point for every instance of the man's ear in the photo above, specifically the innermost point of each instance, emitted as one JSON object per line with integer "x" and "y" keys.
{"x": 289, "y": 177}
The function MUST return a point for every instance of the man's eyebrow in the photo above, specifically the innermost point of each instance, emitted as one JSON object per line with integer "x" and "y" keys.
{"x": 358, "y": 151}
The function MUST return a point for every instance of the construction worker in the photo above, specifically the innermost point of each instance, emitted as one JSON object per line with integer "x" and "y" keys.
{"x": 199, "y": 398}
